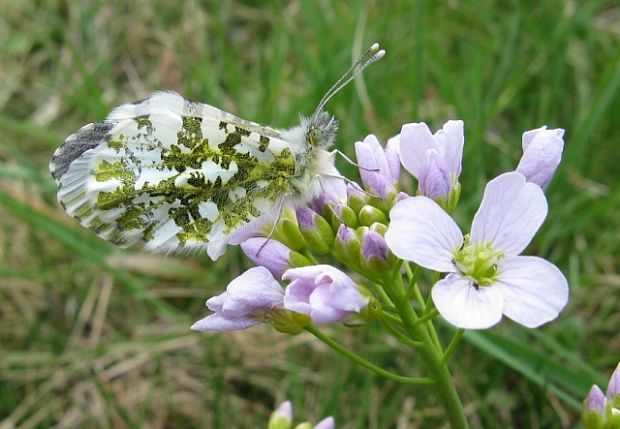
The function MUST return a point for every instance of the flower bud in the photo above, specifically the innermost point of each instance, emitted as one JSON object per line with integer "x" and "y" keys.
{"x": 346, "y": 245}
{"x": 378, "y": 171}
{"x": 369, "y": 215}
{"x": 326, "y": 423}
{"x": 356, "y": 198}
{"x": 375, "y": 254}
{"x": 288, "y": 233}
{"x": 340, "y": 214}
{"x": 249, "y": 299}
{"x": 602, "y": 411}
{"x": 288, "y": 322}
{"x": 433, "y": 159}
{"x": 299, "y": 260}
{"x": 282, "y": 418}
{"x": 323, "y": 292}
{"x": 333, "y": 190}
{"x": 269, "y": 253}
{"x": 593, "y": 414}
{"x": 315, "y": 230}
{"x": 613, "y": 388}
{"x": 542, "y": 152}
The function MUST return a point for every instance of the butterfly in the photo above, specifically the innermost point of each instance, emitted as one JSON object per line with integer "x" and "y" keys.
{"x": 183, "y": 175}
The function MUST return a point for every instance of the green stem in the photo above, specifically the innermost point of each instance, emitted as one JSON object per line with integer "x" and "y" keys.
{"x": 426, "y": 308}
{"x": 384, "y": 297}
{"x": 363, "y": 362}
{"x": 412, "y": 275}
{"x": 428, "y": 316}
{"x": 456, "y": 339}
{"x": 429, "y": 354}
{"x": 399, "y": 335}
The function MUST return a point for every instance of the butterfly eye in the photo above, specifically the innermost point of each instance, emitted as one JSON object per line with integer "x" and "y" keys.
{"x": 314, "y": 136}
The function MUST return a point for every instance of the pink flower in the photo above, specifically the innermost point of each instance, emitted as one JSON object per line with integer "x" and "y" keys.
{"x": 487, "y": 277}
{"x": 326, "y": 423}
{"x": 600, "y": 409}
{"x": 542, "y": 152}
{"x": 282, "y": 417}
{"x": 372, "y": 156}
{"x": 269, "y": 253}
{"x": 323, "y": 292}
{"x": 248, "y": 300}
{"x": 433, "y": 159}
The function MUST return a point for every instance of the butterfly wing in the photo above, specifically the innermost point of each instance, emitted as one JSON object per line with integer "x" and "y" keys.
{"x": 175, "y": 174}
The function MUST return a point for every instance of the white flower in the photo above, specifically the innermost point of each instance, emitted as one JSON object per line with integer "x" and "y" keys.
{"x": 487, "y": 276}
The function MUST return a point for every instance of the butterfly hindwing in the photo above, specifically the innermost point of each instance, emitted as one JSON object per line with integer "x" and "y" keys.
{"x": 174, "y": 174}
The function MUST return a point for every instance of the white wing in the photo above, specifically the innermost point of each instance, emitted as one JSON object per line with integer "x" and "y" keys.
{"x": 175, "y": 174}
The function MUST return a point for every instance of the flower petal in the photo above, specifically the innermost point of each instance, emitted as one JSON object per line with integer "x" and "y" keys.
{"x": 534, "y": 290}
{"x": 329, "y": 187}
{"x": 613, "y": 388}
{"x": 215, "y": 303}
{"x": 450, "y": 140}
{"x": 595, "y": 401}
{"x": 415, "y": 141}
{"x": 322, "y": 310}
{"x": 255, "y": 288}
{"x": 217, "y": 322}
{"x": 420, "y": 231}
{"x": 269, "y": 253}
{"x": 370, "y": 156}
{"x": 326, "y": 423}
{"x": 285, "y": 411}
{"x": 391, "y": 155}
{"x": 309, "y": 272}
{"x": 464, "y": 305}
{"x": 528, "y": 136}
{"x": 343, "y": 293}
{"x": 297, "y": 296}
{"x": 511, "y": 212}
{"x": 434, "y": 181}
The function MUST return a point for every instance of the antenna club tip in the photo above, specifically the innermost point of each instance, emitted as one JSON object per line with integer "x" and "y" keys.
{"x": 380, "y": 54}
{"x": 374, "y": 47}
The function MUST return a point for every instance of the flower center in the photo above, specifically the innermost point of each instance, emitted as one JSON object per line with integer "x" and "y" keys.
{"x": 478, "y": 261}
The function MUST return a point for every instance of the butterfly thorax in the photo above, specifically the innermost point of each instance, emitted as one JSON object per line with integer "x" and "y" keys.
{"x": 309, "y": 142}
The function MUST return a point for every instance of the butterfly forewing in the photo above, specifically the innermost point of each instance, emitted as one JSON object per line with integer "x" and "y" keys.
{"x": 173, "y": 173}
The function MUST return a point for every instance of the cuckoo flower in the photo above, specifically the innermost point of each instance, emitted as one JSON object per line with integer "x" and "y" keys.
{"x": 268, "y": 252}
{"x": 379, "y": 167}
{"x": 542, "y": 152}
{"x": 282, "y": 417}
{"x": 323, "y": 292}
{"x": 248, "y": 301}
{"x": 326, "y": 423}
{"x": 487, "y": 276}
{"x": 434, "y": 159}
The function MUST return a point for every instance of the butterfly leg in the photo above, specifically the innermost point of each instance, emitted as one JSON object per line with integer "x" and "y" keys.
{"x": 273, "y": 227}
{"x": 350, "y": 161}
{"x": 348, "y": 181}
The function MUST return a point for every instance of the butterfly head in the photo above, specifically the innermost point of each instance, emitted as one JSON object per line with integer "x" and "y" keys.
{"x": 322, "y": 130}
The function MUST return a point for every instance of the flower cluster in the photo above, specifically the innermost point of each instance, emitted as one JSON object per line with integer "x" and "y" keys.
{"x": 376, "y": 230}
{"x": 602, "y": 410}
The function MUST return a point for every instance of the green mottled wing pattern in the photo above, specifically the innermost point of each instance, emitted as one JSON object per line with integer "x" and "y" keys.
{"x": 174, "y": 174}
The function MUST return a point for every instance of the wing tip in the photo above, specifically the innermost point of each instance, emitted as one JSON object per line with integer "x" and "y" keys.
{"x": 87, "y": 137}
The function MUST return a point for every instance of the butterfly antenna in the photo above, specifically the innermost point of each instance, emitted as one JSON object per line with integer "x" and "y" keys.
{"x": 372, "y": 54}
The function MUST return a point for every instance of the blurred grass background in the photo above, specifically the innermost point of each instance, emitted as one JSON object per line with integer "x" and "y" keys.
{"x": 92, "y": 336}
